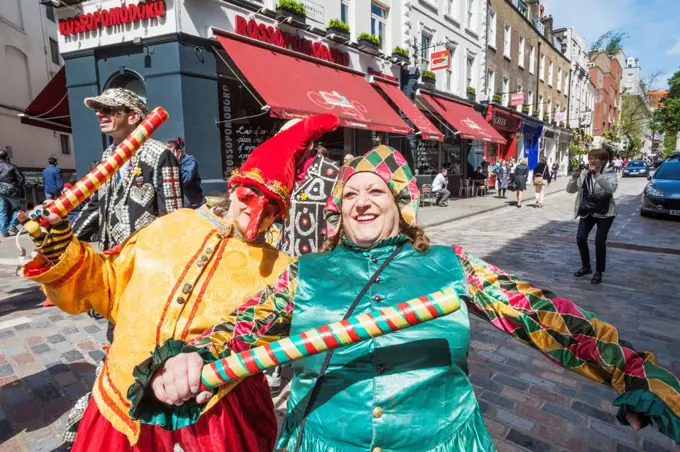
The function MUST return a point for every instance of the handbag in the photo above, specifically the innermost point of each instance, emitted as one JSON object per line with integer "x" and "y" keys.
{"x": 591, "y": 203}
{"x": 329, "y": 354}
{"x": 9, "y": 190}
{"x": 538, "y": 180}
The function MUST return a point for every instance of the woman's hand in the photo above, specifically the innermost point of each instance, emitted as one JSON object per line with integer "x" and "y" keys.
{"x": 179, "y": 380}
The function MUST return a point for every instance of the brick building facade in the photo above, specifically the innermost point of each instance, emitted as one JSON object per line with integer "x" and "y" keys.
{"x": 524, "y": 56}
{"x": 606, "y": 73}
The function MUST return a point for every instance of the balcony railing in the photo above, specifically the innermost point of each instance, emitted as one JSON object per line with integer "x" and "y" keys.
{"x": 539, "y": 25}
{"x": 521, "y": 6}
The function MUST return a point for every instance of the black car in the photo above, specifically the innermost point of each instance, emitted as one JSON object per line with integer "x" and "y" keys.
{"x": 662, "y": 193}
{"x": 636, "y": 168}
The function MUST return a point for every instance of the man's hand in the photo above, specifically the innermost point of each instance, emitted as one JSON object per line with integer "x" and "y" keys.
{"x": 179, "y": 380}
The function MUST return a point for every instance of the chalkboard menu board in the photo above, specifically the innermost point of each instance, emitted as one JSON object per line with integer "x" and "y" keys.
{"x": 247, "y": 137}
{"x": 427, "y": 157}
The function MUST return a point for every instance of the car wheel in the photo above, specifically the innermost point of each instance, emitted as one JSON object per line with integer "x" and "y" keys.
{"x": 644, "y": 214}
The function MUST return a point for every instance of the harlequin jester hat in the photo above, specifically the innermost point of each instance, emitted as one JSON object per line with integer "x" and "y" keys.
{"x": 270, "y": 168}
{"x": 390, "y": 166}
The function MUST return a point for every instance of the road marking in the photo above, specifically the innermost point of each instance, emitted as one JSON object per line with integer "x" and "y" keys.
{"x": 14, "y": 322}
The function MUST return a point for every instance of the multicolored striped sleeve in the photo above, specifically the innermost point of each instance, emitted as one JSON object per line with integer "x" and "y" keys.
{"x": 262, "y": 319}
{"x": 576, "y": 340}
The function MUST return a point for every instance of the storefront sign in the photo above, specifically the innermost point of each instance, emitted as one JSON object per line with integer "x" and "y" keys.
{"x": 228, "y": 158}
{"x": 126, "y": 14}
{"x": 504, "y": 121}
{"x": 270, "y": 35}
{"x": 377, "y": 73}
{"x": 440, "y": 60}
{"x": 517, "y": 99}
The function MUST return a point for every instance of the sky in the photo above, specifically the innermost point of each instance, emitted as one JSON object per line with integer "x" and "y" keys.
{"x": 652, "y": 25}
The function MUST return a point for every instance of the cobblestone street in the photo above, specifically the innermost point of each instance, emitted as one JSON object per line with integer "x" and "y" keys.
{"x": 48, "y": 358}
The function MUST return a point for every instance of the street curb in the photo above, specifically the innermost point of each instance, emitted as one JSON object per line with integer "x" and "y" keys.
{"x": 474, "y": 214}
{"x": 620, "y": 245}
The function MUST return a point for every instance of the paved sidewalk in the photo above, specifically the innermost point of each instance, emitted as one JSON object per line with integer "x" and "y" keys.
{"x": 466, "y": 207}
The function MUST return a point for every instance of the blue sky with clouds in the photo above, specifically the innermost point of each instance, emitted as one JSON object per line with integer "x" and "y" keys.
{"x": 653, "y": 26}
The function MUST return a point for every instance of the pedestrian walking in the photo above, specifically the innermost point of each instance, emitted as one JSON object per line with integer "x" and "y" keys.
{"x": 160, "y": 290}
{"x": 191, "y": 179}
{"x": 555, "y": 169}
{"x": 52, "y": 179}
{"x": 503, "y": 177}
{"x": 11, "y": 190}
{"x": 519, "y": 181}
{"x": 618, "y": 165}
{"x": 439, "y": 188}
{"x": 541, "y": 177}
{"x": 595, "y": 206}
{"x": 420, "y": 375}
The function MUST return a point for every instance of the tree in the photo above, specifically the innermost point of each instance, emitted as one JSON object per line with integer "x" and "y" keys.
{"x": 669, "y": 112}
{"x": 635, "y": 117}
{"x": 611, "y": 42}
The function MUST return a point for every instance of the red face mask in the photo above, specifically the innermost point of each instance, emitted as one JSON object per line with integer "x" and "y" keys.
{"x": 258, "y": 205}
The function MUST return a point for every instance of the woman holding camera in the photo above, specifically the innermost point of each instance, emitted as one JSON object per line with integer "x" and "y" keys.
{"x": 595, "y": 206}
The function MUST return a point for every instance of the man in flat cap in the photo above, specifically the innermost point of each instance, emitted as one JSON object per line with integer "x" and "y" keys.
{"x": 148, "y": 186}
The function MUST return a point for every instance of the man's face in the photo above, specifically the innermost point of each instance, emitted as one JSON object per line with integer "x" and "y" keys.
{"x": 251, "y": 211}
{"x": 114, "y": 119}
{"x": 444, "y": 173}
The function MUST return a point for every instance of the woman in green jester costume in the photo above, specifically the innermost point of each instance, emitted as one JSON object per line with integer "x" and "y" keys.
{"x": 409, "y": 391}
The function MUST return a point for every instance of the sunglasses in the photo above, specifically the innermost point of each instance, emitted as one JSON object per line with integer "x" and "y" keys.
{"x": 110, "y": 111}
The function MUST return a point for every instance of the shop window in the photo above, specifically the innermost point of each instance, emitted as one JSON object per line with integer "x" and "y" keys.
{"x": 492, "y": 29}
{"x": 379, "y": 23}
{"x": 49, "y": 12}
{"x": 129, "y": 80}
{"x": 345, "y": 12}
{"x": 507, "y": 36}
{"x": 65, "y": 144}
{"x": 54, "y": 51}
{"x": 425, "y": 44}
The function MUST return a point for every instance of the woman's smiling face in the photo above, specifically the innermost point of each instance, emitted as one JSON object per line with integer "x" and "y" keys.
{"x": 369, "y": 213}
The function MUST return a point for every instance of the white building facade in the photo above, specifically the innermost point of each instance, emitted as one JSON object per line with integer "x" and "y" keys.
{"x": 581, "y": 90}
{"x": 29, "y": 58}
{"x": 458, "y": 26}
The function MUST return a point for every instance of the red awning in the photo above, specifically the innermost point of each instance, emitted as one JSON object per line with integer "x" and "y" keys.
{"x": 295, "y": 87}
{"x": 50, "y": 108}
{"x": 429, "y": 131}
{"x": 465, "y": 120}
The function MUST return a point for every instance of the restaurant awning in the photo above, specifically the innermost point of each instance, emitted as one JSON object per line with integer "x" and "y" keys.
{"x": 428, "y": 130}
{"x": 49, "y": 109}
{"x": 470, "y": 124}
{"x": 295, "y": 87}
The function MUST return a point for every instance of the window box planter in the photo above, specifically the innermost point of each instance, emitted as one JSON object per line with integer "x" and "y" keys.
{"x": 401, "y": 59}
{"x": 525, "y": 110}
{"x": 535, "y": 114}
{"x": 337, "y": 35}
{"x": 428, "y": 78}
{"x": 546, "y": 118}
{"x": 497, "y": 98}
{"x": 471, "y": 94}
{"x": 296, "y": 19}
{"x": 368, "y": 43}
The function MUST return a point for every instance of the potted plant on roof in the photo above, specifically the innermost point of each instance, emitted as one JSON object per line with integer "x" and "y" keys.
{"x": 471, "y": 93}
{"x": 535, "y": 114}
{"x": 292, "y": 12}
{"x": 525, "y": 110}
{"x": 338, "y": 31}
{"x": 497, "y": 98}
{"x": 369, "y": 43}
{"x": 428, "y": 78}
{"x": 401, "y": 55}
{"x": 546, "y": 117}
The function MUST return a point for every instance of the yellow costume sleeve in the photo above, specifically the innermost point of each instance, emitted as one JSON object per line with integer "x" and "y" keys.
{"x": 83, "y": 279}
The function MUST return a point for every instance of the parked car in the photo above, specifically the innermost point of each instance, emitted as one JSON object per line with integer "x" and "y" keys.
{"x": 636, "y": 168}
{"x": 662, "y": 193}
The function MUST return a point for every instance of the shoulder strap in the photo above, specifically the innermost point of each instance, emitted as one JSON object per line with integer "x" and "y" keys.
{"x": 329, "y": 354}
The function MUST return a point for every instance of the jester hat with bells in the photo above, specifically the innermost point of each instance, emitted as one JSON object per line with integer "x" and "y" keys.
{"x": 270, "y": 168}
{"x": 390, "y": 166}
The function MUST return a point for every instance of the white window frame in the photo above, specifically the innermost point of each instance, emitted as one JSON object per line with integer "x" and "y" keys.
{"x": 520, "y": 53}
{"x": 541, "y": 68}
{"x": 425, "y": 50}
{"x": 551, "y": 73}
{"x": 531, "y": 102}
{"x": 506, "y": 92}
{"x": 507, "y": 40}
{"x": 347, "y": 6}
{"x": 532, "y": 60}
{"x": 381, "y": 20}
{"x": 471, "y": 16}
{"x": 559, "y": 79}
{"x": 67, "y": 139}
{"x": 453, "y": 80}
{"x": 493, "y": 19}
{"x": 491, "y": 82}
{"x": 520, "y": 89}
{"x": 470, "y": 71}
{"x": 550, "y": 110}
{"x": 452, "y": 8}
{"x": 541, "y": 108}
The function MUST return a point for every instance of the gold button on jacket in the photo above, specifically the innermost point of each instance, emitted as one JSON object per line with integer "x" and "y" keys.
{"x": 140, "y": 290}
